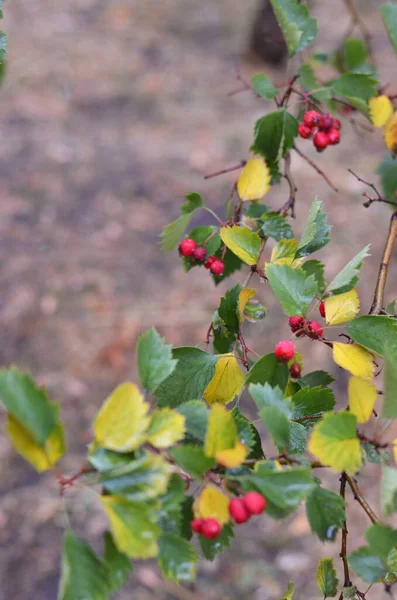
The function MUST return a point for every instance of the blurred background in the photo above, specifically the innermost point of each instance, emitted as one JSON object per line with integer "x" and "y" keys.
{"x": 110, "y": 112}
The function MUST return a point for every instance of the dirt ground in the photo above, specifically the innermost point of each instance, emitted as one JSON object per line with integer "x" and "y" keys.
{"x": 110, "y": 113}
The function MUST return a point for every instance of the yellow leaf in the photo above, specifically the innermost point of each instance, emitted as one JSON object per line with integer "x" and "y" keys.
{"x": 246, "y": 294}
{"x": 221, "y": 431}
{"x": 390, "y": 134}
{"x": 355, "y": 359}
{"x": 227, "y": 381}
{"x": 41, "y": 458}
{"x": 335, "y": 443}
{"x": 167, "y": 427}
{"x": 380, "y": 110}
{"x": 284, "y": 251}
{"x": 122, "y": 421}
{"x": 362, "y": 398}
{"x": 233, "y": 457}
{"x": 254, "y": 181}
{"x": 243, "y": 242}
{"x": 212, "y": 504}
{"x": 341, "y": 308}
{"x": 395, "y": 450}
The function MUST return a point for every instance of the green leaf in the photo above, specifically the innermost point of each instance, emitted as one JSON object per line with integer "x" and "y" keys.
{"x": 355, "y": 54}
{"x": 245, "y": 429}
{"x": 388, "y": 491}
{"x": 290, "y": 592}
{"x": 316, "y": 268}
{"x": 307, "y": 79}
{"x": 196, "y": 418}
{"x": 325, "y": 512}
{"x": 381, "y": 538}
{"x": 83, "y": 575}
{"x": 350, "y": 592}
{"x": 389, "y": 16}
{"x": 177, "y": 558}
{"x": 192, "y": 459}
{"x": 274, "y": 135}
{"x": 28, "y": 404}
{"x": 228, "y": 309}
{"x": 326, "y": 578}
{"x": 171, "y": 506}
{"x": 312, "y": 402}
{"x": 390, "y": 383}
{"x": 367, "y": 564}
{"x": 243, "y": 242}
{"x": 269, "y": 370}
{"x": 3, "y": 45}
{"x": 391, "y": 307}
{"x": 388, "y": 177}
{"x": 173, "y": 232}
{"x": 210, "y": 548}
{"x": 347, "y": 278}
{"x": 192, "y": 374}
{"x": 315, "y": 379}
{"x": 292, "y": 288}
{"x": 357, "y": 89}
{"x": 374, "y": 332}
{"x": 276, "y": 227}
{"x": 275, "y": 412}
{"x": 155, "y": 362}
{"x": 118, "y": 564}
{"x": 263, "y": 86}
{"x": 298, "y": 28}
{"x": 167, "y": 426}
{"x": 315, "y": 234}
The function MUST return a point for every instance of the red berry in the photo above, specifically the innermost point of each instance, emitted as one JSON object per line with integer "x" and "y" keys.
{"x": 217, "y": 267}
{"x": 333, "y": 137}
{"x": 200, "y": 254}
{"x": 311, "y": 118}
{"x": 304, "y": 131}
{"x": 187, "y": 247}
{"x": 320, "y": 140}
{"x": 321, "y": 309}
{"x": 325, "y": 122}
{"x": 295, "y": 371}
{"x": 296, "y": 323}
{"x": 254, "y": 502}
{"x": 210, "y": 528}
{"x": 336, "y": 124}
{"x": 238, "y": 511}
{"x": 315, "y": 330}
{"x": 284, "y": 350}
{"x": 197, "y": 525}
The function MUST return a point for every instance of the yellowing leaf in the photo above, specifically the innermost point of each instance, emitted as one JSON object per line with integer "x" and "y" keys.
{"x": 122, "y": 421}
{"x": 212, "y": 504}
{"x": 254, "y": 181}
{"x": 284, "y": 251}
{"x": 390, "y": 134}
{"x": 341, "y": 308}
{"x": 243, "y": 242}
{"x": 233, "y": 457}
{"x": 335, "y": 443}
{"x": 355, "y": 359}
{"x": 380, "y": 110}
{"x": 362, "y": 398}
{"x": 395, "y": 450}
{"x": 246, "y": 294}
{"x": 41, "y": 458}
{"x": 167, "y": 427}
{"x": 221, "y": 431}
{"x": 227, "y": 381}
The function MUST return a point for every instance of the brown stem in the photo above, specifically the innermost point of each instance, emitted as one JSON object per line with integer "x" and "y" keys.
{"x": 227, "y": 170}
{"x": 290, "y": 204}
{"x": 66, "y": 483}
{"x": 360, "y": 498}
{"x": 343, "y": 550}
{"x": 371, "y": 199}
{"x": 377, "y": 302}
{"x": 308, "y": 418}
{"x": 316, "y": 168}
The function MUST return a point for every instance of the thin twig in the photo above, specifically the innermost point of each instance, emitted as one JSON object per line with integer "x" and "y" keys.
{"x": 357, "y": 21}
{"x": 360, "y": 498}
{"x": 371, "y": 199}
{"x": 290, "y": 204}
{"x": 241, "y": 164}
{"x": 378, "y": 300}
{"x": 316, "y": 168}
{"x": 343, "y": 551}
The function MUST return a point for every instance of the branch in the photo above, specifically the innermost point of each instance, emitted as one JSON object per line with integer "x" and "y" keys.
{"x": 371, "y": 199}
{"x": 241, "y": 164}
{"x": 343, "y": 550}
{"x": 360, "y": 498}
{"x": 377, "y": 302}
{"x": 316, "y": 168}
{"x": 290, "y": 204}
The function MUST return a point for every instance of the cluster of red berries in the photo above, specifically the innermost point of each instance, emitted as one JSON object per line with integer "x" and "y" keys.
{"x": 209, "y": 528}
{"x": 188, "y": 247}
{"x": 312, "y": 329}
{"x": 324, "y": 129}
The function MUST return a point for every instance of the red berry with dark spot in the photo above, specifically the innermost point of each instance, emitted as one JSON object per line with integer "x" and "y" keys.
{"x": 187, "y": 247}
{"x": 197, "y": 525}
{"x": 320, "y": 141}
{"x": 305, "y": 131}
{"x": 217, "y": 267}
{"x": 254, "y": 502}
{"x": 210, "y": 529}
{"x": 336, "y": 124}
{"x": 200, "y": 254}
{"x": 238, "y": 510}
{"x": 315, "y": 330}
{"x": 333, "y": 137}
{"x": 295, "y": 371}
{"x": 325, "y": 122}
{"x": 321, "y": 309}
{"x": 284, "y": 351}
{"x": 311, "y": 118}
{"x": 209, "y": 261}
{"x": 296, "y": 323}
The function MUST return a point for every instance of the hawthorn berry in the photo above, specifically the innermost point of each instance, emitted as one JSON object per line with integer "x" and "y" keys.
{"x": 187, "y": 247}
{"x": 284, "y": 351}
{"x": 311, "y": 118}
{"x": 254, "y": 502}
{"x": 336, "y": 124}
{"x": 325, "y": 122}
{"x": 200, "y": 254}
{"x": 209, "y": 261}
{"x": 320, "y": 141}
{"x": 295, "y": 371}
{"x": 217, "y": 267}
{"x": 238, "y": 511}
{"x": 315, "y": 330}
{"x": 210, "y": 528}
{"x": 321, "y": 309}
{"x": 296, "y": 323}
{"x": 305, "y": 131}
{"x": 333, "y": 137}
{"x": 197, "y": 525}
